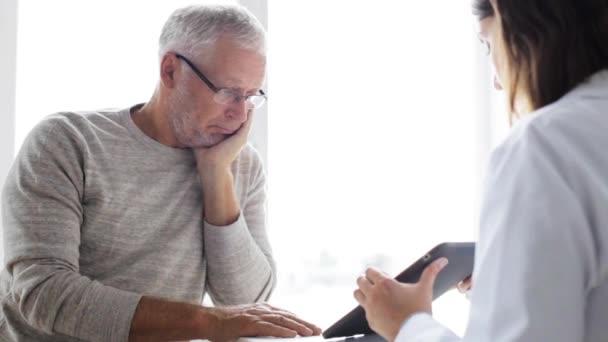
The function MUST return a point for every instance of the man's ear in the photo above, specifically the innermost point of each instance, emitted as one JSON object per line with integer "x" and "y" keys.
{"x": 168, "y": 66}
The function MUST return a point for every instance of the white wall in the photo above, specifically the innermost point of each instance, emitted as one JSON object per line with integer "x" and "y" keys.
{"x": 8, "y": 66}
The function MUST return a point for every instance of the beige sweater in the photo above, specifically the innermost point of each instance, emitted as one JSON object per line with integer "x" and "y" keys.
{"x": 97, "y": 214}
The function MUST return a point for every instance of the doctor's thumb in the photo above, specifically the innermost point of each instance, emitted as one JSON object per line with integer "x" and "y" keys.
{"x": 431, "y": 271}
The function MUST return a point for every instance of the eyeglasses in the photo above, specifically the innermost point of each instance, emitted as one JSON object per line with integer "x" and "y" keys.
{"x": 227, "y": 96}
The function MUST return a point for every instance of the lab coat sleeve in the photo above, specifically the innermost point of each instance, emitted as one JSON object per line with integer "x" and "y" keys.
{"x": 535, "y": 256}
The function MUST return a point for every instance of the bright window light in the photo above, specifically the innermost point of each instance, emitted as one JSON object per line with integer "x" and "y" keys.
{"x": 373, "y": 144}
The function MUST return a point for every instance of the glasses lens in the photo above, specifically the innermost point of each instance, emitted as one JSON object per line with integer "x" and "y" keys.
{"x": 225, "y": 96}
{"x": 256, "y": 101}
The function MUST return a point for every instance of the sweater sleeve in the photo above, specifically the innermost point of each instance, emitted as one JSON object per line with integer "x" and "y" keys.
{"x": 42, "y": 215}
{"x": 240, "y": 265}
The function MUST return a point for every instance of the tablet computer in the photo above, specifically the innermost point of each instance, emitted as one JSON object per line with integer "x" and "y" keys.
{"x": 461, "y": 258}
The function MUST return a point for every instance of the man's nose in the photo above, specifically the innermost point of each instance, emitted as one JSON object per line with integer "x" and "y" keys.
{"x": 238, "y": 110}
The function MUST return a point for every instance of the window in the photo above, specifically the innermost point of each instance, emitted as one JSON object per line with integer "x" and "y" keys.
{"x": 376, "y": 144}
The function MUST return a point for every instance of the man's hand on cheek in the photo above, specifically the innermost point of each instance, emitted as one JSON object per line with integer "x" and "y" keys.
{"x": 219, "y": 157}
{"x": 221, "y": 207}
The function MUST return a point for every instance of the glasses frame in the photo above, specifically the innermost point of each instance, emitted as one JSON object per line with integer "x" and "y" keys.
{"x": 217, "y": 90}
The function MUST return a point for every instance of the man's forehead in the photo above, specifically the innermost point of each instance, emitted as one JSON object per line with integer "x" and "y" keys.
{"x": 243, "y": 76}
{"x": 240, "y": 84}
{"x": 235, "y": 66}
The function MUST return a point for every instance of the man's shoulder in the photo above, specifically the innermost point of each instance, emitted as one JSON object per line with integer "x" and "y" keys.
{"x": 78, "y": 124}
{"x": 81, "y": 119}
{"x": 64, "y": 131}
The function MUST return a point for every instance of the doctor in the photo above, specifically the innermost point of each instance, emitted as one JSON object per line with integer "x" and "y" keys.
{"x": 541, "y": 271}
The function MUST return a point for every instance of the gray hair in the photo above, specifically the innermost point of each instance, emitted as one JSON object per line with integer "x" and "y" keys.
{"x": 190, "y": 29}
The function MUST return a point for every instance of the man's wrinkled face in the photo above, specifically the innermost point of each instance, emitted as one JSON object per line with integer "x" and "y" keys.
{"x": 197, "y": 119}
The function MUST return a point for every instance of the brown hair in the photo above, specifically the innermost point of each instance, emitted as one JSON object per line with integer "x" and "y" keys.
{"x": 551, "y": 45}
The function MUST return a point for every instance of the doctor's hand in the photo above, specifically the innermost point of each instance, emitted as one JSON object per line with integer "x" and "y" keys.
{"x": 260, "y": 319}
{"x": 388, "y": 303}
{"x": 465, "y": 286}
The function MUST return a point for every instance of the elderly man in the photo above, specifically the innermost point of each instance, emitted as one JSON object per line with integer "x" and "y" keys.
{"x": 117, "y": 222}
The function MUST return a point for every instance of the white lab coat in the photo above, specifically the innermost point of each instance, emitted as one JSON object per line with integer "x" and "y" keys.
{"x": 541, "y": 262}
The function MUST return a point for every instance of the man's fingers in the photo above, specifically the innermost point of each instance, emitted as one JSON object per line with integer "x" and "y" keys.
{"x": 260, "y": 312}
{"x": 267, "y": 309}
{"x": 249, "y": 120}
{"x": 431, "y": 271}
{"x": 240, "y": 136}
{"x": 315, "y": 329}
{"x": 288, "y": 323}
{"x": 246, "y": 127}
{"x": 265, "y": 328}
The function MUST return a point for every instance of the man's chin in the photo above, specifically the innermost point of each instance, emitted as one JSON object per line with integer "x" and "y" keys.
{"x": 208, "y": 141}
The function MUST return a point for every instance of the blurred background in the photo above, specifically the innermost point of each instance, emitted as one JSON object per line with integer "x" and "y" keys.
{"x": 380, "y": 120}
